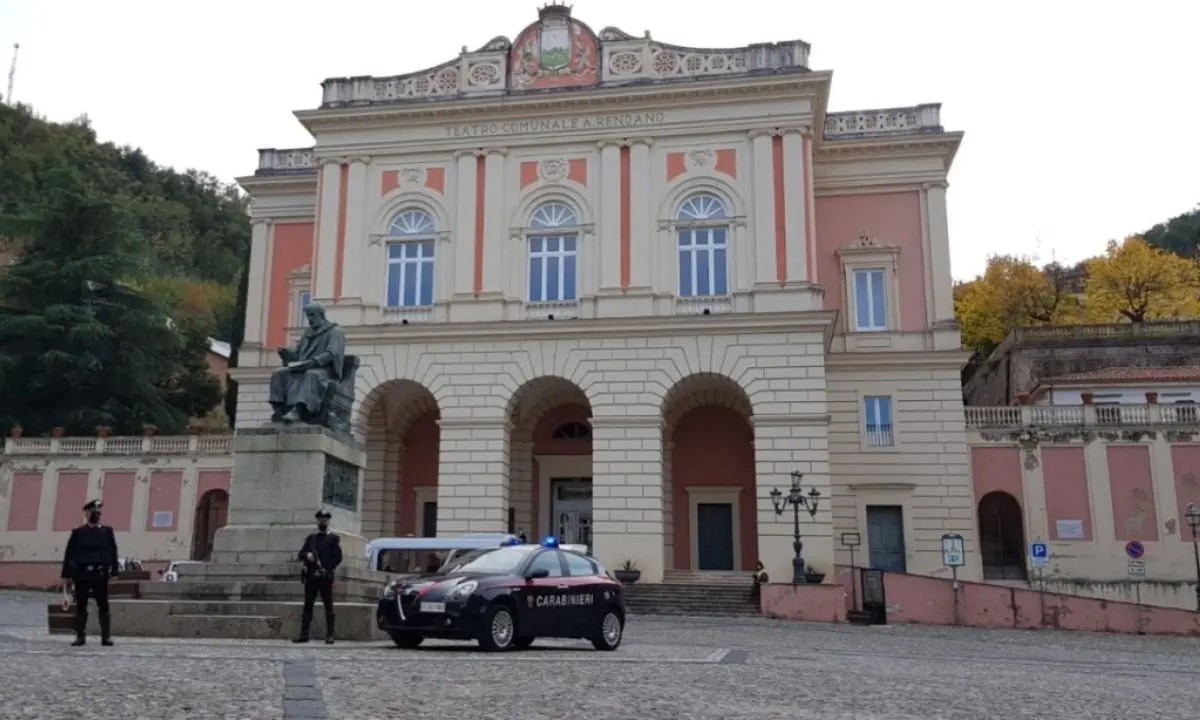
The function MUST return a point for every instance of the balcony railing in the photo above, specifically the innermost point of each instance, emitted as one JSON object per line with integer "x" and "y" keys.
{"x": 880, "y": 436}
{"x": 703, "y": 305}
{"x": 888, "y": 121}
{"x": 406, "y": 315}
{"x": 164, "y": 445}
{"x": 1074, "y": 416}
{"x": 552, "y": 309}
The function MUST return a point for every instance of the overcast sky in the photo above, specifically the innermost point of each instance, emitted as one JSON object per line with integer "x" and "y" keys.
{"x": 1081, "y": 119}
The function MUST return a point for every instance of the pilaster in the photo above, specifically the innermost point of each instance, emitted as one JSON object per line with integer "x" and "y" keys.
{"x": 354, "y": 274}
{"x": 939, "y": 251}
{"x": 463, "y": 287}
{"x": 325, "y": 264}
{"x": 640, "y": 235}
{"x": 495, "y": 229}
{"x": 473, "y": 473}
{"x": 520, "y": 483}
{"x": 609, "y": 255}
{"x": 258, "y": 296}
{"x": 763, "y": 184}
{"x": 797, "y": 196}
{"x": 627, "y": 493}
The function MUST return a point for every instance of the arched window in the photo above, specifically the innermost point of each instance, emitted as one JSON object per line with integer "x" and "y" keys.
{"x": 410, "y": 259}
{"x": 572, "y": 431}
{"x": 702, "y": 229}
{"x": 553, "y": 253}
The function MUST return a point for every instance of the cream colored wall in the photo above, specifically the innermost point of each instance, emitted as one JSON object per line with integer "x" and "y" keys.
{"x": 926, "y": 471}
{"x": 189, "y": 455}
{"x": 625, "y": 370}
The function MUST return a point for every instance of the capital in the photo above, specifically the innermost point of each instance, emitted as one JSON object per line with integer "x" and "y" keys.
{"x": 262, "y": 221}
{"x": 763, "y": 132}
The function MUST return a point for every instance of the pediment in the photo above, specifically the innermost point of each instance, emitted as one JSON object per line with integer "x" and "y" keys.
{"x": 865, "y": 244}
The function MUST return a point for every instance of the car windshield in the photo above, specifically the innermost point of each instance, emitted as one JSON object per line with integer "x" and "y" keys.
{"x": 491, "y": 561}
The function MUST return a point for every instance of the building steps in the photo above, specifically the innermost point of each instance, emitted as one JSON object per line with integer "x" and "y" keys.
{"x": 710, "y": 578}
{"x": 691, "y": 599}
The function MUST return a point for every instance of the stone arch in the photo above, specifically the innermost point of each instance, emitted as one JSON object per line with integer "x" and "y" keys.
{"x": 1002, "y": 537}
{"x": 402, "y": 199}
{"x": 683, "y": 187}
{"x": 399, "y": 419}
{"x": 567, "y": 192}
{"x": 710, "y": 500}
{"x": 212, "y": 512}
{"x": 542, "y": 466}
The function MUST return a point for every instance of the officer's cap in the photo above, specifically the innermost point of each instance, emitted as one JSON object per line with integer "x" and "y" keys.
{"x": 323, "y": 515}
{"x": 93, "y": 506}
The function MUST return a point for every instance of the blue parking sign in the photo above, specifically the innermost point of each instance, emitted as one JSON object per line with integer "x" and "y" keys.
{"x": 1039, "y": 552}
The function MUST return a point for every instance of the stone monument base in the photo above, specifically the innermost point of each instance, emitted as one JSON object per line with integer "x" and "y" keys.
{"x": 283, "y": 474}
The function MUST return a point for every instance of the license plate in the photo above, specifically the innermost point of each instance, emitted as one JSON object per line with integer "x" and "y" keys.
{"x": 432, "y": 607}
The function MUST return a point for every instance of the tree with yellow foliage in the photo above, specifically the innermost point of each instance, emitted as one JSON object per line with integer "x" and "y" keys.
{"x": 1136, "y": 282}
{"x": 1011, "y": 293}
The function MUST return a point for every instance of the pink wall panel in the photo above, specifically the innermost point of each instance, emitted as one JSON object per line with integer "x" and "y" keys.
{"x": 1065, "y": 473}
{"x": 116, "y": 490}
{"x": 72, "y": 494}
{"x": 1186, "y": 460}
{"x": 165, "y": 488}
{"x": 211, "y": 480}
{"x": 25, "y": 501}
{"x": 997, "y": 469}
{"x": 1129, "y": 479}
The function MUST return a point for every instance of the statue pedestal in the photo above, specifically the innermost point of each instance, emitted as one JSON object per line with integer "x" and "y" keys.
{"x": 283, "y": 474}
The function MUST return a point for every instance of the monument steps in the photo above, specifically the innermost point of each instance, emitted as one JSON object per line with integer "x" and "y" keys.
{"x": 274, "y": 590}
{"x": 235, "y": 620}
{"x": 694, "y": 600}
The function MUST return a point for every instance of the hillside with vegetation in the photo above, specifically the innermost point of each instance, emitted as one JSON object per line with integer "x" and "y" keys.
{"x": 117, "y": 272}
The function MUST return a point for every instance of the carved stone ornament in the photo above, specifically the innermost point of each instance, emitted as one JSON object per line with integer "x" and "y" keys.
{"x": 1031, "y": 459}
{"x": 412, "y": 176}
{"x": 700, "y": 159}
{"x": 554, "y": 169}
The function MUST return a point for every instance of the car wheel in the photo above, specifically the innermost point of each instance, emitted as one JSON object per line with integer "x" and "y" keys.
{"x": 610, "y": 631}
{"x": 499, "y": 631}
{"x": 522, "y": 643}
{"x": 406, "y": 640}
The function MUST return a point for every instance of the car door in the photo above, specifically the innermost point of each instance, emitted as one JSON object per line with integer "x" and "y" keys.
{"x": 583, "y": 612}
{"x": 544, "y": 608}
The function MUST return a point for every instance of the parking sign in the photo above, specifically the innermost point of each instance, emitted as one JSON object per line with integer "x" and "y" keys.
{"x": 1039, "y": 552}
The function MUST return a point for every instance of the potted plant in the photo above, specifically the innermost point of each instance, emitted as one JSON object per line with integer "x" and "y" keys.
{"x": 103, "y": 431}
{"x": 57, "y": 432}
{"x": 628, "y": 573}
{"x": 813, "y": 576}
{"x": 16, "y": 431}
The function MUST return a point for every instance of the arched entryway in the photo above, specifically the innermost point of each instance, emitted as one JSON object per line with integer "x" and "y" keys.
{"x": 710, "y": 509}
{"x": 400, "y": 482}
{"x": 550, "y": 462}
{"x": 1002, "y": 537}
{"x": 211, "y": 514}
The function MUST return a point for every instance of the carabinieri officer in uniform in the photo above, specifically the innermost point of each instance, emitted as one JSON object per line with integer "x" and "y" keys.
{"x": 88, "y": 564}
{"x": 321, "y": 555}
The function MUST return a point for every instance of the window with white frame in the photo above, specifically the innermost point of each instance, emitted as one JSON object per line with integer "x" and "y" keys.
{"x": 870, "y": 300}
{"x": 410, "y": 259}
{"x": 303, "y": 298}
{"x": 553, "y": 253}
{"x": 877, "y": 421}
{"x": 702, "y": 231}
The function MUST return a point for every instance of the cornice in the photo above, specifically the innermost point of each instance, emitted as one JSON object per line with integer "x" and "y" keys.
{"x": 293, "y": 183}
{"x": 875, "y": 361}
{"x": 939, "y": 144}
{"x": 737, "y": 89}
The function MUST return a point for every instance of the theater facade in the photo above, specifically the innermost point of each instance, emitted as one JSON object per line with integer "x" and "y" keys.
{"x": 619, "y": 290}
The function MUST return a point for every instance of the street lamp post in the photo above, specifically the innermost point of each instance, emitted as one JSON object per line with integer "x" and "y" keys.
{"x": 1193, "y": 521}
{"x": 797, "y": 499}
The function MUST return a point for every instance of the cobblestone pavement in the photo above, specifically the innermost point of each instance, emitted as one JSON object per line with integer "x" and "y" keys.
{"x": 668, "y": 669}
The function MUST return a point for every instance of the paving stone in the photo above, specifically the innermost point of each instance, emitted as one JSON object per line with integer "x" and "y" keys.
{"x": 668, "y": 669}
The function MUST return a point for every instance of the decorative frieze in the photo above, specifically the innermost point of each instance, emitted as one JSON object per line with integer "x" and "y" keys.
{"x": 891, "y": 121}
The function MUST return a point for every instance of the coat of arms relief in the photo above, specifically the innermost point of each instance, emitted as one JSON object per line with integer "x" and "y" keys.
{"x": 555, "y": 52}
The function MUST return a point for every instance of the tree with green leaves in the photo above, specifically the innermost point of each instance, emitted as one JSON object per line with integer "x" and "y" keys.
{"x": 1179, "y": 235}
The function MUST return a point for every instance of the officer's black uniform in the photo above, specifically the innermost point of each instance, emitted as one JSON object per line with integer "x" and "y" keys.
{"x": 89, "y": 562}
{"x": 317, "y": 575}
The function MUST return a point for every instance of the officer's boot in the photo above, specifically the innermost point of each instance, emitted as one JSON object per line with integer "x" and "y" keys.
{"x": 328, "y": 628}
{"x": 106, "y": 629}
{"x": 305, "y": 624}
{"x": 80, "y": 628}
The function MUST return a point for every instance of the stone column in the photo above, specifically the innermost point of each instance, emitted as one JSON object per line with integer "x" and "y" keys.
{"x": 463, "y": 238}
{"x": 495, "y": 236}
{"x": 782, "y": 444}
{"x": 260, "y": 282}
{"x": 763, "y": 185}
{"x": 473, "y": 472}
{"x": 641, "y": 239}
{"x": 941, "y": 281}
{"x": 325, "y": 262}
{"x": 797, "y": 195}
{"x": 520, "y": 487}
{"x": 627, "y": 493}
{"x": 354, "y": 269}
{"x": 609, "y": 248}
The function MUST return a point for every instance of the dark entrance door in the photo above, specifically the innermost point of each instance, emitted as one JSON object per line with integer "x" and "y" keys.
{"x": 885, "y": 537}
{"x": 1001, "y": 537}
{"x": 211, "y": 514}
{"x": 429, "y": 520}
{"x": 714, "y": 536}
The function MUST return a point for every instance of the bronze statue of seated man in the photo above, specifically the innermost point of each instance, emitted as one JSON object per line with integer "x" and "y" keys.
{"x": 298, "y": 388}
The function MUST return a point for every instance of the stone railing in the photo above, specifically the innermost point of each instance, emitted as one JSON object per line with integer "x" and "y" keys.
{"x": 1113, "y": 331}
{"x": 1082, "y": 416}
{"x": 150, "y": 445}
{"x": 287, "y": 161}
{"x": 888, "y": 121}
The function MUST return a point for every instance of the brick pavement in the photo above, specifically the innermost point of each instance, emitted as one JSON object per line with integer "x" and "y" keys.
{"x": 676, "y": 669}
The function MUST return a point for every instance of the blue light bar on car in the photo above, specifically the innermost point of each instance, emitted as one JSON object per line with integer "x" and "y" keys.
{"x": 510, "y": 541}
{"x": 550, "y": 542}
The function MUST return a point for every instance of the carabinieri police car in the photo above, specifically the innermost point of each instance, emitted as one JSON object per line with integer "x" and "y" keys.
{"x": 505, "y": 598}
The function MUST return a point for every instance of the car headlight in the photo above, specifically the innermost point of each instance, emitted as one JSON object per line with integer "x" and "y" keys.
{"x": 463, "y": 590}
{"x": 389, "y": 591}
